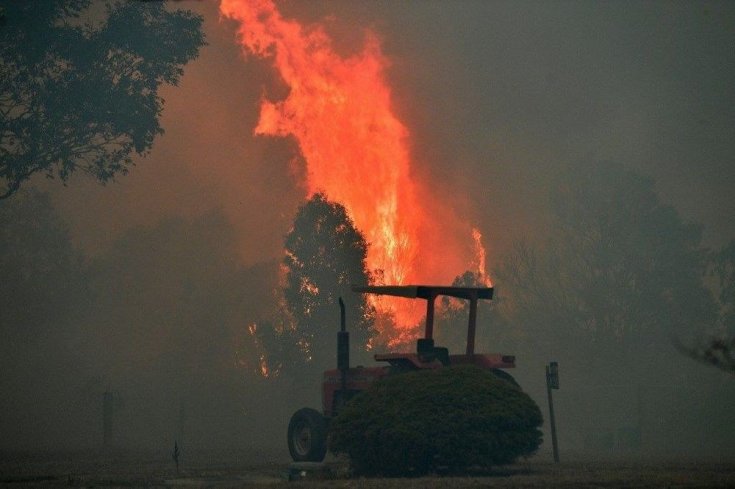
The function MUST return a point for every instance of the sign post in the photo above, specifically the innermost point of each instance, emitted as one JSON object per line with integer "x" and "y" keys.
{"x": 552, "y": 382}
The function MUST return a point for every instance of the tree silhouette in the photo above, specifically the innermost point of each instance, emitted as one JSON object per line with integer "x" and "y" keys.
{"x": 41, "y": 270}
{"x": 79, "y": 90}
{"x": 715, "y": 351}
{"x": 325, "y": 255}
{"x": 718, "y": 349}
{"x": 724, "y": 264}
{"x": 451, "y": 327}
{"x": 620, "y": 269}
{"x": 618, "y": 276}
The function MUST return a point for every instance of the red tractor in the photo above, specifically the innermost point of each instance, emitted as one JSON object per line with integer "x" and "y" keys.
{"x": 307, "y": 430}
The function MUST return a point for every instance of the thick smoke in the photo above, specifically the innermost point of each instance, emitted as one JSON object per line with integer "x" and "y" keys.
{"x": 153, "y": 289}
{"x": 159, "y": 319}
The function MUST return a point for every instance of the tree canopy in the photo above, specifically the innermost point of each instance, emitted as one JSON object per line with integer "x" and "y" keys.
{"x": 606, "y": 289}
{"x": 718, "y": 348}
{"x": 451, "y": 327}
{"x": 41, "y": 270}
{"x": 325, "y": 255}
{"x": 619, "y": 268}
{"x": 79, "y": 89}
{"x": 724, "y": 262}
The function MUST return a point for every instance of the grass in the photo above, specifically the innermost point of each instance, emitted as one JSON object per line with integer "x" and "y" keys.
{"x": 230, "y": 469}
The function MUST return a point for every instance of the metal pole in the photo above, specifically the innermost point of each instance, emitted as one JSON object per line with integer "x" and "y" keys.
{"x": 551, "y": 417}
{"x": 471, "y": 325}
{"x": 429, "y": 331}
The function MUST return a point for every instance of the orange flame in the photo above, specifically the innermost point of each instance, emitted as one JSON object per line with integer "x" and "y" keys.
{"x": 480, "y": 258}
{"x": 356, "y": 150}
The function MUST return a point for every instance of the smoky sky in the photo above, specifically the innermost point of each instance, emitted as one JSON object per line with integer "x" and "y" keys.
{"x": 499, "y": 97}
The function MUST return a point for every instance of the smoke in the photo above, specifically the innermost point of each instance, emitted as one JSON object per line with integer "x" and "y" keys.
{"x": 159, "y": 319}
{"x": 340, "y": 111}
{"x": 498, "y": 99}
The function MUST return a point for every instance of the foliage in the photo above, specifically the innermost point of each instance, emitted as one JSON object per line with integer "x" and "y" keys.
{"x": 41, "y": 270}
{"x": 451, "y": 328}
{"x": 170, "y": 296}
{"x": 718, "y": 352}
{"x": 718, "y": 349}
{"x": 325, "y": 255}
{"x": 620, "y": 272}
{"x": 277, "y": 345}
{"x": 724, "y": 265}
{"x": 455, "y": 419}
{"x": 82, "y": 95}
{"x": 42, "y": 291}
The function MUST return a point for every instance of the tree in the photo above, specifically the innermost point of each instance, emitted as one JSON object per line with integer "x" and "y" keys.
{"x": 718, "y": 349}
{"x": 451, "y": 328}
{"x": 325, "y": 255}
{"x": 43, "y": 286}
{"x": 620, "y": 270}
{"x": 724, "y": 267}
{"x": 171, "y": 296}
{"x": 617, "y": 277}
{"x": 41, "y": 270}
{"x": 79, "y": 92}
{"x": 167, "y": 327}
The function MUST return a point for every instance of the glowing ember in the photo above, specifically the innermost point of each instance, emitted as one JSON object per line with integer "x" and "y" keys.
{"x": 339, "y": 111}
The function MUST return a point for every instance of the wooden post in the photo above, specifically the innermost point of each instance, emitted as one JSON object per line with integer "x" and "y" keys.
{"x": 552, "y": 382}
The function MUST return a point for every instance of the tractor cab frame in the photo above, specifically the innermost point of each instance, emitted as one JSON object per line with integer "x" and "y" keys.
{"x": 307, "y": 430}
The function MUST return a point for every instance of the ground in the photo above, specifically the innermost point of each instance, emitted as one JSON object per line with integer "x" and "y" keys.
{"x": 230, "y": 469}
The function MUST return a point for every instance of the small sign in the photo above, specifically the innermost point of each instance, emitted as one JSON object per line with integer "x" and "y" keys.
{"x": 553, "y": 375}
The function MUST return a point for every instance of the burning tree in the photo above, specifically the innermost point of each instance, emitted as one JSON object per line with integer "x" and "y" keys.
{"x": 339, "y": 110}
{"x": 82, "y": 95}
{"x": 325, "y": 255}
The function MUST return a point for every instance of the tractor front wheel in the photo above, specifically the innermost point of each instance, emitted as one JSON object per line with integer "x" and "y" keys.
{"x": 307, "y": 436}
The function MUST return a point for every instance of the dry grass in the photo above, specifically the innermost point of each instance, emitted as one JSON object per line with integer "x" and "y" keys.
{"x": 240, "y": 469}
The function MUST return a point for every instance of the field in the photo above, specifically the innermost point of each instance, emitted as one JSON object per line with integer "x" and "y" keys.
{"x": 240, "y": 469}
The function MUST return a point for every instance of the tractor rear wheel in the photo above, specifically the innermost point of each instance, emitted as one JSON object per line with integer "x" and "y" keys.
{"x": 307, "y": 436}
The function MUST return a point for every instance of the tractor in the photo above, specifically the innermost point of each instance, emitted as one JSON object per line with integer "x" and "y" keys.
{"x": 308, "y": 428}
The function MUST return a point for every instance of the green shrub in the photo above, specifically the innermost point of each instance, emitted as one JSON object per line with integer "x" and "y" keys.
{"x": 450, "y": 419}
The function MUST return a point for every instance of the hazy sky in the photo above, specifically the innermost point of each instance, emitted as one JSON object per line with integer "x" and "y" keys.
{"x": 498, "y": 97}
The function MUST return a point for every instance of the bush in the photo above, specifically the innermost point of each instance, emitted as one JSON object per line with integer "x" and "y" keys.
{"x": 450, "y": 419}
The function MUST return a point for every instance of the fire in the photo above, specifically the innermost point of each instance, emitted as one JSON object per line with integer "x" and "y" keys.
{"x": 480, "y": 258}
{"x": 339, "y": 110}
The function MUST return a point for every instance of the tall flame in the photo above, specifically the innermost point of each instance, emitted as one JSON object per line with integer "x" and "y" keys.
{"x": 339, "y": 111}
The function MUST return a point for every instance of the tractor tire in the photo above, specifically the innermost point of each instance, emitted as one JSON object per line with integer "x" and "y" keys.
{"x": 503, "y": 375}
{"x": 307, "y": 436}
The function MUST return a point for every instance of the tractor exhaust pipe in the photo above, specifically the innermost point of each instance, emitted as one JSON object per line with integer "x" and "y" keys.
{"x": 343, "y": 345}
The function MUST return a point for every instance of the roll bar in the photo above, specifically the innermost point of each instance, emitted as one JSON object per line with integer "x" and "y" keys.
{"x": 430, "y": 293}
